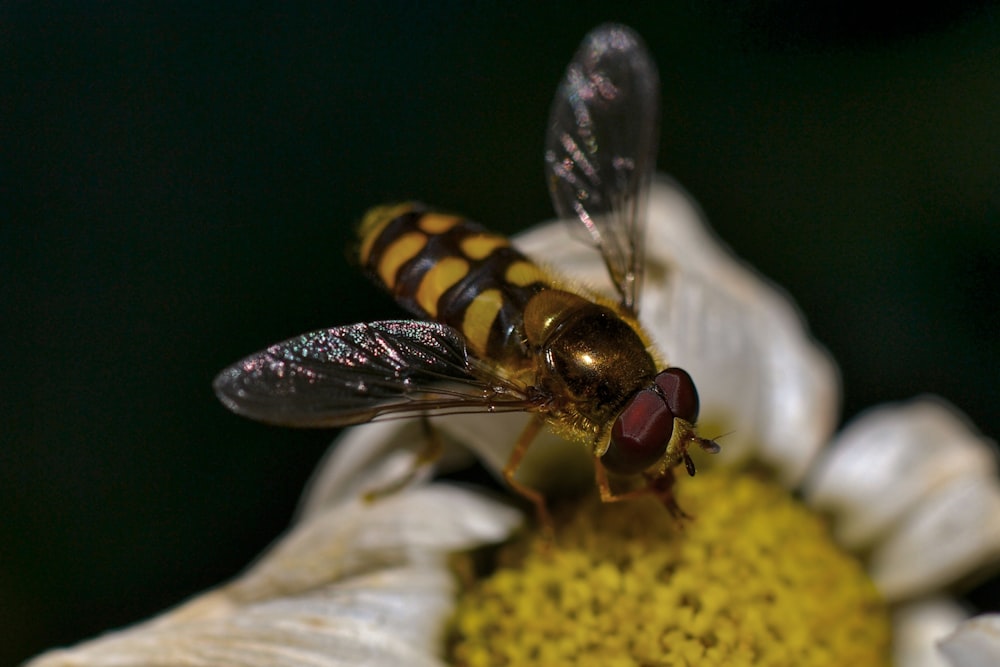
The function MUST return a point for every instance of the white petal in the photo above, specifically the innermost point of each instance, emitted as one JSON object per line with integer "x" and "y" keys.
{"x": 389, "y": 618}
{"x": 377, "y": 457}
{"x": 417, "y": 525}
{"x": 552, "y": 465}
{"x": 763, "y": 381}
{"x": 355, "y": 583}
{"x": 374, "y": 456}
{"x": 363, "y": 459}
{"x": 976, "y": 643}
{"x": 917, "y": 627}
{"x": 491, "y": 437}
{"x": 888, "y": 459}
{"x": 953, "y": 531}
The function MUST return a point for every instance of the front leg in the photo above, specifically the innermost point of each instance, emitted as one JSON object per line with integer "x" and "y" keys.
{"x": 660, "y": 485}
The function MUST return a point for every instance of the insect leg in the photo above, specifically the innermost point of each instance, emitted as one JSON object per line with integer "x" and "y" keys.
{"x": 604, "y": 486}
{"x": 510, "y": 470}
{"x": 659, "y": 485}
{"x": 428, "y": 454}
{"x": 662, "y": 486}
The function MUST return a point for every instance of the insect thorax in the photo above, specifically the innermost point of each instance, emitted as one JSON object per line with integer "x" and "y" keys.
{"x": 590, "y": 359}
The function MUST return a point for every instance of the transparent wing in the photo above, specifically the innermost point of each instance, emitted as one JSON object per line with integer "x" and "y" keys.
{"x": 600, "y": 151}
{"x": 357, "y": 373}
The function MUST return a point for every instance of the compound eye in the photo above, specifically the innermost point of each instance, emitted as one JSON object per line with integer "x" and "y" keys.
{"x": 640, "y": 434}
{"x": 679, "y": 392}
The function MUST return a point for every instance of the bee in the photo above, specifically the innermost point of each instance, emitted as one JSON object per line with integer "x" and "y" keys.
{"x": 498, "y": 332}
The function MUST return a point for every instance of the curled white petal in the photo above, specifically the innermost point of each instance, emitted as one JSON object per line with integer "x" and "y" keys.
{"x": 355, "y": 583}
{"x": 388, "y": 618}
{"x": 953, "y": 531}
{"x": 743, "y": 340}
{"x": 365, "y": 458}
{"x": 764, "y": 383}
{"x": 918, "y": 626}
{"x": 414, "y": 526}
{"x": 552, "y": 465}
{"x": 889, "y": 459}
{"x": 976, "y": 643}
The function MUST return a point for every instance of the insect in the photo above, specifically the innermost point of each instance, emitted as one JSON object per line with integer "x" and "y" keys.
{"x": 499, "y": 333}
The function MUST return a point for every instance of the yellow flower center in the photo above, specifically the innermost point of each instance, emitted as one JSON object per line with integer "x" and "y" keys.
{"x": 753, "y": 579}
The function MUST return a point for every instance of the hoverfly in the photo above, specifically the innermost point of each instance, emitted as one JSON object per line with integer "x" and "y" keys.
{"x": 499, "y": 333}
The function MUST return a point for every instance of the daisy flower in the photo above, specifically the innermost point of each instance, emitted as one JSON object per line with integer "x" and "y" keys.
{"x": 852, "y": 567}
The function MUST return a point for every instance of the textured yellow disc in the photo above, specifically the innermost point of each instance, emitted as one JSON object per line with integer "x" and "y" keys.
{"x": 753, "y": 579}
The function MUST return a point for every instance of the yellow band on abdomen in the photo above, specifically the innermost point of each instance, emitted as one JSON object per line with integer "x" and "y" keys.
{"x": 437, "y": 280}
{"x": 403, "y": 249}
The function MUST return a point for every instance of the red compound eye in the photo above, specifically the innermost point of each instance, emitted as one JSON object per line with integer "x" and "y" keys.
{"x": 679, "y": 393}
{"x": 640, "y": 434}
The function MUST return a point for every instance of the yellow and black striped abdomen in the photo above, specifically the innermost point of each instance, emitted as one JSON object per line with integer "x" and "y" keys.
{"x": 445, "y": 268}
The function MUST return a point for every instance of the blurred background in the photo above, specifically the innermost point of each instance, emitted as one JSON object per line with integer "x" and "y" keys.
{"x": 178, "y": 185}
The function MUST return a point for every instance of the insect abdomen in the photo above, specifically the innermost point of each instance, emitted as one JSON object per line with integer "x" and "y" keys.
{"x": 452, "y": 270}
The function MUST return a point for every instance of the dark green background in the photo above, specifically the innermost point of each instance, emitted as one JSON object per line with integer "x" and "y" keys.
{"x": 178, "y": 185}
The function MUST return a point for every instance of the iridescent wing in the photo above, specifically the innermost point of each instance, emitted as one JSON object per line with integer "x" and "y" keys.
{"x": 357, "y": 373}
{"x": 600, "y": 151}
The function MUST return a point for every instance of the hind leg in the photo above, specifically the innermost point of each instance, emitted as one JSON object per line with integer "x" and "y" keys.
{"x": 427, "y": 455}
{"x": 524, "y": 441}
